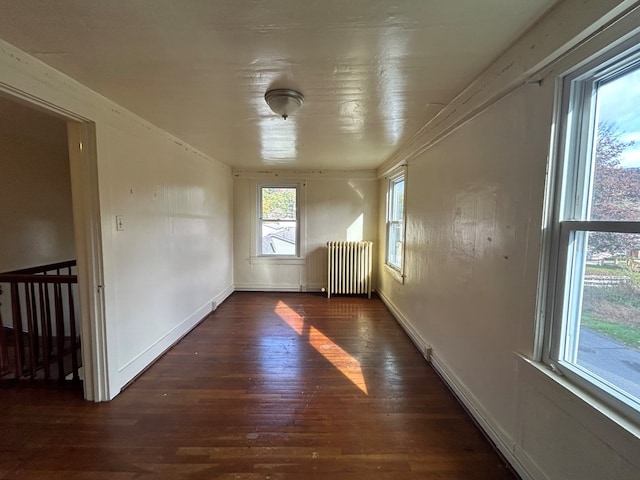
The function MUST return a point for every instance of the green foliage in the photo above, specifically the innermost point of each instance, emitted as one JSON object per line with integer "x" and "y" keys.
{"x": 606, "y": 270}
{"x": 624, "y": 334}
{"x": 613, "y": 311}
{"x": 615, "y": 270}
{"x": 279, "y": 203}
{"x": 623, "y": 295}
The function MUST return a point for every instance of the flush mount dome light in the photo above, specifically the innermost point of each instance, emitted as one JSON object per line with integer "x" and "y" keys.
{"x": 284, "y": 101}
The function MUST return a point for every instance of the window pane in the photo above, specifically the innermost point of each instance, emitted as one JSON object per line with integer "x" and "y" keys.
{"x": 278, "y": 203}
{"x": 616, "y": 176}
{"x": 278, "y": 238}
{"x": 606, "y": 339}
{"x": 397, "y": 200}
{"x": 394, "y": 253}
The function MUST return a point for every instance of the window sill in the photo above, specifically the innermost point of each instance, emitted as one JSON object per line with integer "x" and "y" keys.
{"x": 395, "y": 274}
{"x": 604, "y": 422}
{"x": 277, "y": 260}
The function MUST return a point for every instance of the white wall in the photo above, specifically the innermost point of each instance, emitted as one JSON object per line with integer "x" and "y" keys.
{"x": 36, "y": 223}
{"x": 35, "y": 189}
{"x": 173, "y": 261}
{"x": 334, "y": 206}
{"x": 475, "y": 198}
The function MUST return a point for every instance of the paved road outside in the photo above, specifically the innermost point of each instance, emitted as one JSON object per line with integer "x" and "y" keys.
{"x": 611, "y": 360}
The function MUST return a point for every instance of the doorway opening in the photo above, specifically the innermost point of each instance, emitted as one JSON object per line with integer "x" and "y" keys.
{"x": 50, "y": 300}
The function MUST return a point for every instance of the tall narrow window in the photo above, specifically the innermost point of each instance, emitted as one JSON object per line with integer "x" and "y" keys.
{"x": 395, "y": 222}
{"x": 594, "y": 335}
{"x": 278, "y": 220}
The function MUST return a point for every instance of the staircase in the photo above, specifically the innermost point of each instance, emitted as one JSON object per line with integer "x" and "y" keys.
{"x": 40, "y": 340}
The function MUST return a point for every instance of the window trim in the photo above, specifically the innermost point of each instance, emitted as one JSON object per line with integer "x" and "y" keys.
{"x": 397, "y": 272}
{"x": 568, "y": 184}
{"x": 275, "y": 256}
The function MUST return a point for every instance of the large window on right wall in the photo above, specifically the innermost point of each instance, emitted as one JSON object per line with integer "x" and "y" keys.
{"x": 592, "y": 335}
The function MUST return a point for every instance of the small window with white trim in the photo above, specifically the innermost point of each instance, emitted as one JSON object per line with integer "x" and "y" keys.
{"x": 593, "y": 296}
{"x": 278, "y": 220}
{"x": 395, "y": 222}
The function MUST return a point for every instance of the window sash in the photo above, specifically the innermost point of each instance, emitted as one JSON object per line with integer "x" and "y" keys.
{"x": 288, "y": 221}
{"x": 395, "y": 244}
{"x": 396, "y": 210}
{"x": 568, "y": 226}
{"x": 567, "y": 316}
{"x": 394, "y": 255}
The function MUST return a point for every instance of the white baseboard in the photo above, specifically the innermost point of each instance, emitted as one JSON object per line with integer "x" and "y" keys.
{"x": 516, "y": 458}
{"x": 134, "y": 367}
{"x": 268, "y": 287}
{"x": 421, "y": 344}
{"x": 507, "y": 447}
{"x": 221, "y": 297}
{"x": 316, "y": 287}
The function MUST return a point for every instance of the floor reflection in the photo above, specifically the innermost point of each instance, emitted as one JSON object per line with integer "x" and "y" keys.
{"x": 348, "y": 365}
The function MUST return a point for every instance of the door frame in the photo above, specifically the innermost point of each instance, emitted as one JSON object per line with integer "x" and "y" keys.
{"x": 85, "y": 200}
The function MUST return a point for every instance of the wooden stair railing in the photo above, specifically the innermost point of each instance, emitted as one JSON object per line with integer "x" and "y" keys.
{"x": 43, "y": 330}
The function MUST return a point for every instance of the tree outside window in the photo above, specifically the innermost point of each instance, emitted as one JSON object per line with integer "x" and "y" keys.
{"x": 278, "y": 220}
{"x": 595, "y": 298}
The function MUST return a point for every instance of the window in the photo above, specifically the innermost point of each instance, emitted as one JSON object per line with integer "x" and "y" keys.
{"x": 278, "y": 220}
{"x": 593, "y": 337}
{"x": 395, "y": 222}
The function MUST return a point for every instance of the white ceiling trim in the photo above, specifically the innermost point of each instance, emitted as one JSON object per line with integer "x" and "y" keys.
{"x": 372, "y": 71}
{"x": 288, "y": 174}
{"x": 535, "y": 49}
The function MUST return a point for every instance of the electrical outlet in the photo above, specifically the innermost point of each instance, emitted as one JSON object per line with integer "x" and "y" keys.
{"x": 427, "y": 353}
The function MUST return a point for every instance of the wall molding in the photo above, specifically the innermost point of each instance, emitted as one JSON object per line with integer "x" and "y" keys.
{"x": 269, "y": 287}
{"x": 519, "y": 461}
{"x": 507, "y": 446}
{"x": 613, "y": 428}
{"x": 315, "y": 287}
{"x": 284, "y": 174}
{"x": 221, "y": 297}
{"x": 134, "y": 367}
{"x": 214, "y": 304}
{"x": 277, "y": 260}
{"x": 82, "y": 110}
{"x": 263, "y": 287}
{"x": 536, "y": 49}
{"x": 421, "y": 344}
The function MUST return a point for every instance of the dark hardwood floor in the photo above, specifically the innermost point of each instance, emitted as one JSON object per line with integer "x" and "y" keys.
{"x": 270, "y": 386}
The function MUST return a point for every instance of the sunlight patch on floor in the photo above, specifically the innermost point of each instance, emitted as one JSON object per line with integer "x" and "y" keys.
{"x": 290, "y": 316}
{"x": 349, "y": 366}
{"x": 338, "y": 357}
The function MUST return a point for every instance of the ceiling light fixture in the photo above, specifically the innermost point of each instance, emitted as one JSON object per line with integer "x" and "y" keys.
{"x": 284, "y": 101}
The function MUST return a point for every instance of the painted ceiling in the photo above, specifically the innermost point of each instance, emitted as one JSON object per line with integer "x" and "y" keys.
{"x": 372, "y": 72}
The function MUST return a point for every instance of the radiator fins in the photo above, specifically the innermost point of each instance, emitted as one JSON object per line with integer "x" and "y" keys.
{"x": 349, "y": 267}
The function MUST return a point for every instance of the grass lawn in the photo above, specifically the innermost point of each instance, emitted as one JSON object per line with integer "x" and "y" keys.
{"x": 619, "y": 305}
{"x": 628, "y": 335}
{"x": 614, "y": 271}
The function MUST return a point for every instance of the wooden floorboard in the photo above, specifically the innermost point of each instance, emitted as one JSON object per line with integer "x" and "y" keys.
{"x": 270, "y": 386}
